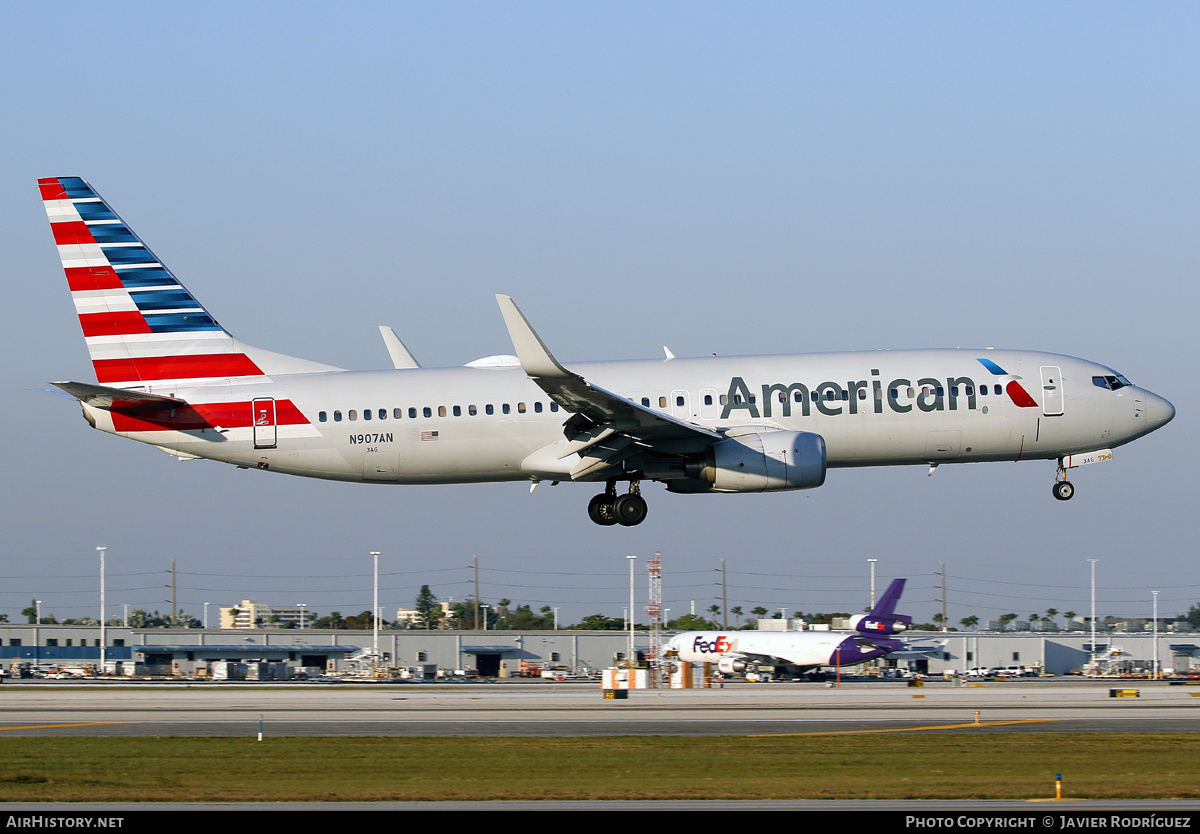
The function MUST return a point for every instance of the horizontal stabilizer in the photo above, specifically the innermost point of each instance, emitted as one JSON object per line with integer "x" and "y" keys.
{"x": 119, "y": 399}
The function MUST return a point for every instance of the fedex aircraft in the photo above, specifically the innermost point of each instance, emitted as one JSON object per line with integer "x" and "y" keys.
{"x": 168, "y": 374}
{"x": 733, "y": 651}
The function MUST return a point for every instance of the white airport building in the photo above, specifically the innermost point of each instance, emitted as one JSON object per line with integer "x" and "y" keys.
{"x": 430, "y": 654}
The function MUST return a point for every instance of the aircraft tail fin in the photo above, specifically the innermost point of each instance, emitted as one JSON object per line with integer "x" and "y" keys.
{"x": 143, "y": 328}
{"x": 883, "y": 619}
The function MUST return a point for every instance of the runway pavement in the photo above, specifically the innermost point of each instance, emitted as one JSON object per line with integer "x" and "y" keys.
{"x": 579, "y": 709}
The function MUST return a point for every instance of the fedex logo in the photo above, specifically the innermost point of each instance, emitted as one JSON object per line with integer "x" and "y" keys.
{"x": 874, "y": 625}
{"x": 720, "y": 645}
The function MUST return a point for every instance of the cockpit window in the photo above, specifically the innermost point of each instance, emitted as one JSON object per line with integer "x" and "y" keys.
{"x": 1112, "y": 382}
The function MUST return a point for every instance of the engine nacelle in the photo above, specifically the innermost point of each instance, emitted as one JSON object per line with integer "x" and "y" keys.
{"x": 867, "y": 624}
{"x": 764, "y": 462}
{"x": 731, "y": 665}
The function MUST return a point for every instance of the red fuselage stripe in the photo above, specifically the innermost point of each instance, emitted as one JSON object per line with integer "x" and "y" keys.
{"x": 202, "y": 366}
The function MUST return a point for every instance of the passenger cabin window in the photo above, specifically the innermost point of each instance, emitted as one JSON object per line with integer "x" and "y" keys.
{"x": 337, "y": 416}
{"x": 521, "y": 408}
{"x": 353, "y": 414}
{"x": 458, "y": 411}
{"x": 441, "y": 411}
{"x": 662, "y": 402}
{"x": 321, "y": 417}
{"x": 412, "y": 413}
{"x": 645, "y": 402}
{"x": 537, "y": 407}
{"x": 383, "y": 414}
{"x": 398, "y": 413}
{"x": 427, "y": 411}
{"x": 489, "y": 409}
{"x": 366, "y": 414}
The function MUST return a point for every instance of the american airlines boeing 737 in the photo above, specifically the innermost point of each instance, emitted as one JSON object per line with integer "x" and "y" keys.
{"x": 169, "y": 375}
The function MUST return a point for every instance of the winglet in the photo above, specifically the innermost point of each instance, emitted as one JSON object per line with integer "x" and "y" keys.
{"x": 535, "y": 357}
{"x": 401, "y": 358}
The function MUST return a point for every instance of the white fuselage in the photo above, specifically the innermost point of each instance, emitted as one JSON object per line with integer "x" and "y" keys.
{"x": 461, "y": 425}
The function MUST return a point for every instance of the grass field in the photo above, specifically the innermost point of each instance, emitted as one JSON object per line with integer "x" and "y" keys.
{"x": 959, "y": 766}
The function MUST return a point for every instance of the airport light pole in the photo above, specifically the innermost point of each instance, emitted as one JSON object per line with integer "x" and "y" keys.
{"x": 872, "y": 562}
{"x": 103, "y": 636}
{"x": 1092, "y": 653}
{"x": 629, "y": 664}
{"x": 375, "y": 617}
{"x": 1157, "y": 671}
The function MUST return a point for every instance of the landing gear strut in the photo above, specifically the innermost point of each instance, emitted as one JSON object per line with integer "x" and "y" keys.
{"x": 608, "y": 508}
{"x": 1063, "y": 489}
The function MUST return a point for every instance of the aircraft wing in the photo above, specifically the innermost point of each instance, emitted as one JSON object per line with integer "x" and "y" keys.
{"x": 612, "y": 427}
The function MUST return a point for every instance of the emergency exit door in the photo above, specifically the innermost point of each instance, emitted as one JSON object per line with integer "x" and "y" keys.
{"x": 263, "y": 411}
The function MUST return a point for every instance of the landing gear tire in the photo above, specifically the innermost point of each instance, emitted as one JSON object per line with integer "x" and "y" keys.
{"x": 1063, "y": 490}
{"x": 601, "y": 511}
{"x": 630, "y": 509}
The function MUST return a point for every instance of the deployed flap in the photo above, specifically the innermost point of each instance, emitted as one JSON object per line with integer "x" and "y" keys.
{"x": 401, "y": 358}
{"x": 120, "y": 399}
{"x": 579, "y": 396}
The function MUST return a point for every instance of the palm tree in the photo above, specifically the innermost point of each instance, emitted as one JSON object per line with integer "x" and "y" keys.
{"x": 969, "y": 622}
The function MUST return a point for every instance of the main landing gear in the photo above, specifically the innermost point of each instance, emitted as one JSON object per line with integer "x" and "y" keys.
{"x": 608, "y": 508}
{"x": 1063, "y": 489}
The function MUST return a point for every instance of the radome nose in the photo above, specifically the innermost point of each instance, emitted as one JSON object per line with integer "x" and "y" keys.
{"x": 1159, "y": 411}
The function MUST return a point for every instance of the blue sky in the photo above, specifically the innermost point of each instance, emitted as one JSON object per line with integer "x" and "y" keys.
{"x": 762, "y": 178}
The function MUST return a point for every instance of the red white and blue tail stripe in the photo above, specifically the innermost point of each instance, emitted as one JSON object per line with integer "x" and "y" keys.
{"x": 143, "y": 328}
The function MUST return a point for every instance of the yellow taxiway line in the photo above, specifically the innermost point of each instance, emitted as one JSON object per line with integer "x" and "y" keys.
{"x": 59, "y": 726}
{"x": 968, "y": 726}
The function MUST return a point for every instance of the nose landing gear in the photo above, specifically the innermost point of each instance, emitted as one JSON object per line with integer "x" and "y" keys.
{"x": 608, "y": 508}
{"x": 1063, "y": 489}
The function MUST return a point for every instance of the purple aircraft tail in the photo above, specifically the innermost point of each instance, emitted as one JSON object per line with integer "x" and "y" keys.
{"x": 883, "y": 619}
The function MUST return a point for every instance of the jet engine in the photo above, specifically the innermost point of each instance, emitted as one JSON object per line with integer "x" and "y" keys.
{"x": 866, "y": 624}
{"x": 758, "y": 462}
{"x": 731, "y": 665}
